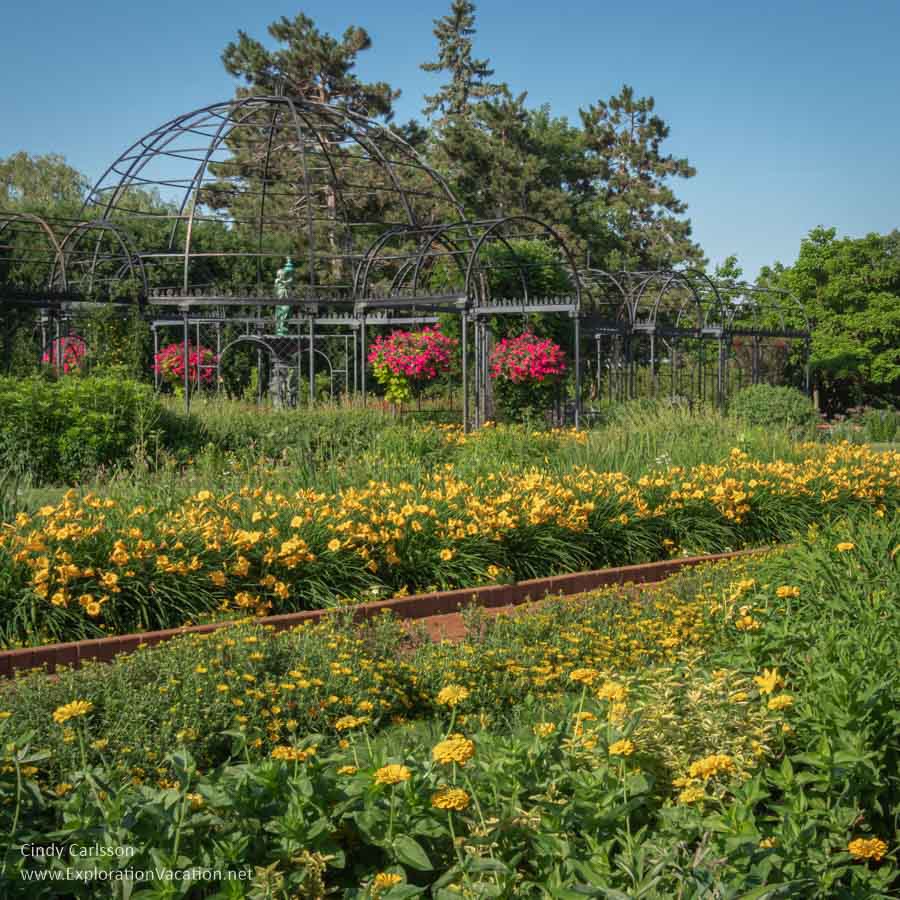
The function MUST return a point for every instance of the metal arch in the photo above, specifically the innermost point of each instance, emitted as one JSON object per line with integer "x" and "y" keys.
{"x": 335, "y": 184}
{"x": 167, "y": 132}
{"x": 43, "y": 225}
{"x": 576, "y": 281}
{"x": 129, "y": 255}
{"x": 417, "y": 162}
{"x": 196, "y": 186}
{"x": 720, "y": 303}
{"x": 246, "y": 339}
{"x": 622, "y": 309}
{"x": 361, "y": 273}
{"x": 425, "y": 236}
{"x": 437, "y": 235}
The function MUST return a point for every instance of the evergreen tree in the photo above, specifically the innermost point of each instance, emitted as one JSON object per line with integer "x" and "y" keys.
{"x": 311, "y": 65}
{"x": 308, "y": 65}
{"x": 468, "y": 76}
{"x": 624, "y": 138}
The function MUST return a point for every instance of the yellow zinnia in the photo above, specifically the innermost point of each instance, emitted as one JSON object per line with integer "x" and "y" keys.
{"x": 392, "y": 774}
{"x": 450, "y": 798}
{"x": 72, "y": 711}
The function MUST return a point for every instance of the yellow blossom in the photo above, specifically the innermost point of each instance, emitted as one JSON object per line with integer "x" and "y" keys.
{"x": 621, "y": 748}
{"x": 72, "y": 711}
{"x": 456, "y": 749}
{"x": 452, "y": 695}
{"x": 867, "y": 848}
{"x": 392, "y": 774}
{"x": 583, "y": 676}
{"x": 782, "y": 701}
{"x": 450, "y": 798}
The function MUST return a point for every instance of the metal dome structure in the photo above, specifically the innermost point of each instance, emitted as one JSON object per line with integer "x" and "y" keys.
{"x": 241, "y": 184}
{"x": 295, "y": 230}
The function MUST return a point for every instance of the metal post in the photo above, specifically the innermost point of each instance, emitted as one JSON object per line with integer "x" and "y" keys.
{"x": 673, "y": 372}
{"x": 465, "y": 371}
{"x": 218, "y": 359}
{"x": 720, "y": 374}
{"x": 577, "y": 371}
{"x": 259, "y": 377}
{"x": 312, "y": 360}
{"x": 184, "y": 359}
{"x": 155, "y": 357}
{"x": 653, "y": 384}
{"x": 477, "y": 374}
{"x": 362, "y": 357}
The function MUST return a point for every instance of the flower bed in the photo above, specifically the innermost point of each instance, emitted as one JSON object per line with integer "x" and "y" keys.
{"x": 738, "y": 729}
{"x": 89, "y": 562}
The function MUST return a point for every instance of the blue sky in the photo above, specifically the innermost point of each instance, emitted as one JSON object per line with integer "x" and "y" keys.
{"x": 789, "y": 111}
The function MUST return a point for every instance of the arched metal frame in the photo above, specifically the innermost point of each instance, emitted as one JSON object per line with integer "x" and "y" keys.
{"x": 380, "y": 242}
{"x": 694, "y": 320}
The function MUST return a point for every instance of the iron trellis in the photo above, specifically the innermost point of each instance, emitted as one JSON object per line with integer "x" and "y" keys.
{"x": 188, "y": 226}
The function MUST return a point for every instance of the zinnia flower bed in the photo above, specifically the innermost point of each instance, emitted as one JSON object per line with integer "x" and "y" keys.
{"x": 89, "y": 566}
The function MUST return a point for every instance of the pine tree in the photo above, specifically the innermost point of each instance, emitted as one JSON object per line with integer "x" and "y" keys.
{"x": 468, "y": 76}
{"x": 624, "y": 139}
{"x": 311, "y": 65}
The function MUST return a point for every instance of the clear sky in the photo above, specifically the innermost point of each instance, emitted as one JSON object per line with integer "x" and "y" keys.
{"x": 790, "y": 111}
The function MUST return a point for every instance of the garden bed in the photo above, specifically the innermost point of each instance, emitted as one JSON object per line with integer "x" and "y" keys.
{"x": 93, "y": 566}
{"x": 735, "y": 726}
{"x": 413, "y": 608}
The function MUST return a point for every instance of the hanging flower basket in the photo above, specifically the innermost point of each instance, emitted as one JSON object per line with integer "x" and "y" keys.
{"x": 169, "y": 364}
{"x": 406, "y": 361}
{"x": 526, "y": 370}
{"x": 65, "y": 354}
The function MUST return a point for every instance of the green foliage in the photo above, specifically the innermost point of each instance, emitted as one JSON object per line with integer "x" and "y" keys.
{"x": 573, "y": 784}
{"x": 40, "y": 182}
{"x": 58, "y": 431}
{"x": 773, "y": 405}
{"x": 310, "y": 64}
{"x": 623, "y": 136}
{"x": 850, "y": 290}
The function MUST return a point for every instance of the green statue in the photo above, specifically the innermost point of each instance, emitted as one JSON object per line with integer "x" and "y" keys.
{"x": 284, "y": 281}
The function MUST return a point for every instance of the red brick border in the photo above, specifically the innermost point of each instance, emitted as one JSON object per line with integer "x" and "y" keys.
{"x": 417, "y": 606}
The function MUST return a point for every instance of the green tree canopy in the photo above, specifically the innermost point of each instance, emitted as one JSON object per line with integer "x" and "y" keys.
{"x": 850, "y": 289}
{"x": 309, "y": 64}
{"x": 36, "y": 183}
{"x": 624, "y": 137}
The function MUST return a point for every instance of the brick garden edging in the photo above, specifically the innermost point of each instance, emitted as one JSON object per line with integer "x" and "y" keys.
{"x": 416, "y": 606}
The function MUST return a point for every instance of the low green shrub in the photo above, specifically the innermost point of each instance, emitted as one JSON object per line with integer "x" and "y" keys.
{"x": 773, "y": 406}
{"x": 881, "y": 426}
{"x": 57, "y": 431}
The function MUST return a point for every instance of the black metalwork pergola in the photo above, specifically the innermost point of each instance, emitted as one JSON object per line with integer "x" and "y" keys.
{"x": 190, "y": 224}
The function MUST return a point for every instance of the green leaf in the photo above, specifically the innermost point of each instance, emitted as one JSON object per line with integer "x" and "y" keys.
{"x": 410, "y": 853}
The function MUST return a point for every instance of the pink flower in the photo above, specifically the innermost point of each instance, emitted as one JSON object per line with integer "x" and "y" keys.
{"x": 419, "y": 356}
{"x": 527, "y": 358}
{"x": 169, "y": 363}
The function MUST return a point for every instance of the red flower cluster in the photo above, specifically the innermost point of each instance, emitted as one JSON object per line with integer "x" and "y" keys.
{"x": 68, "y": 350}
{"x": 416, "y": 355}
{"x": 527, "y": 358}
{"x": 169, "y": 363}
